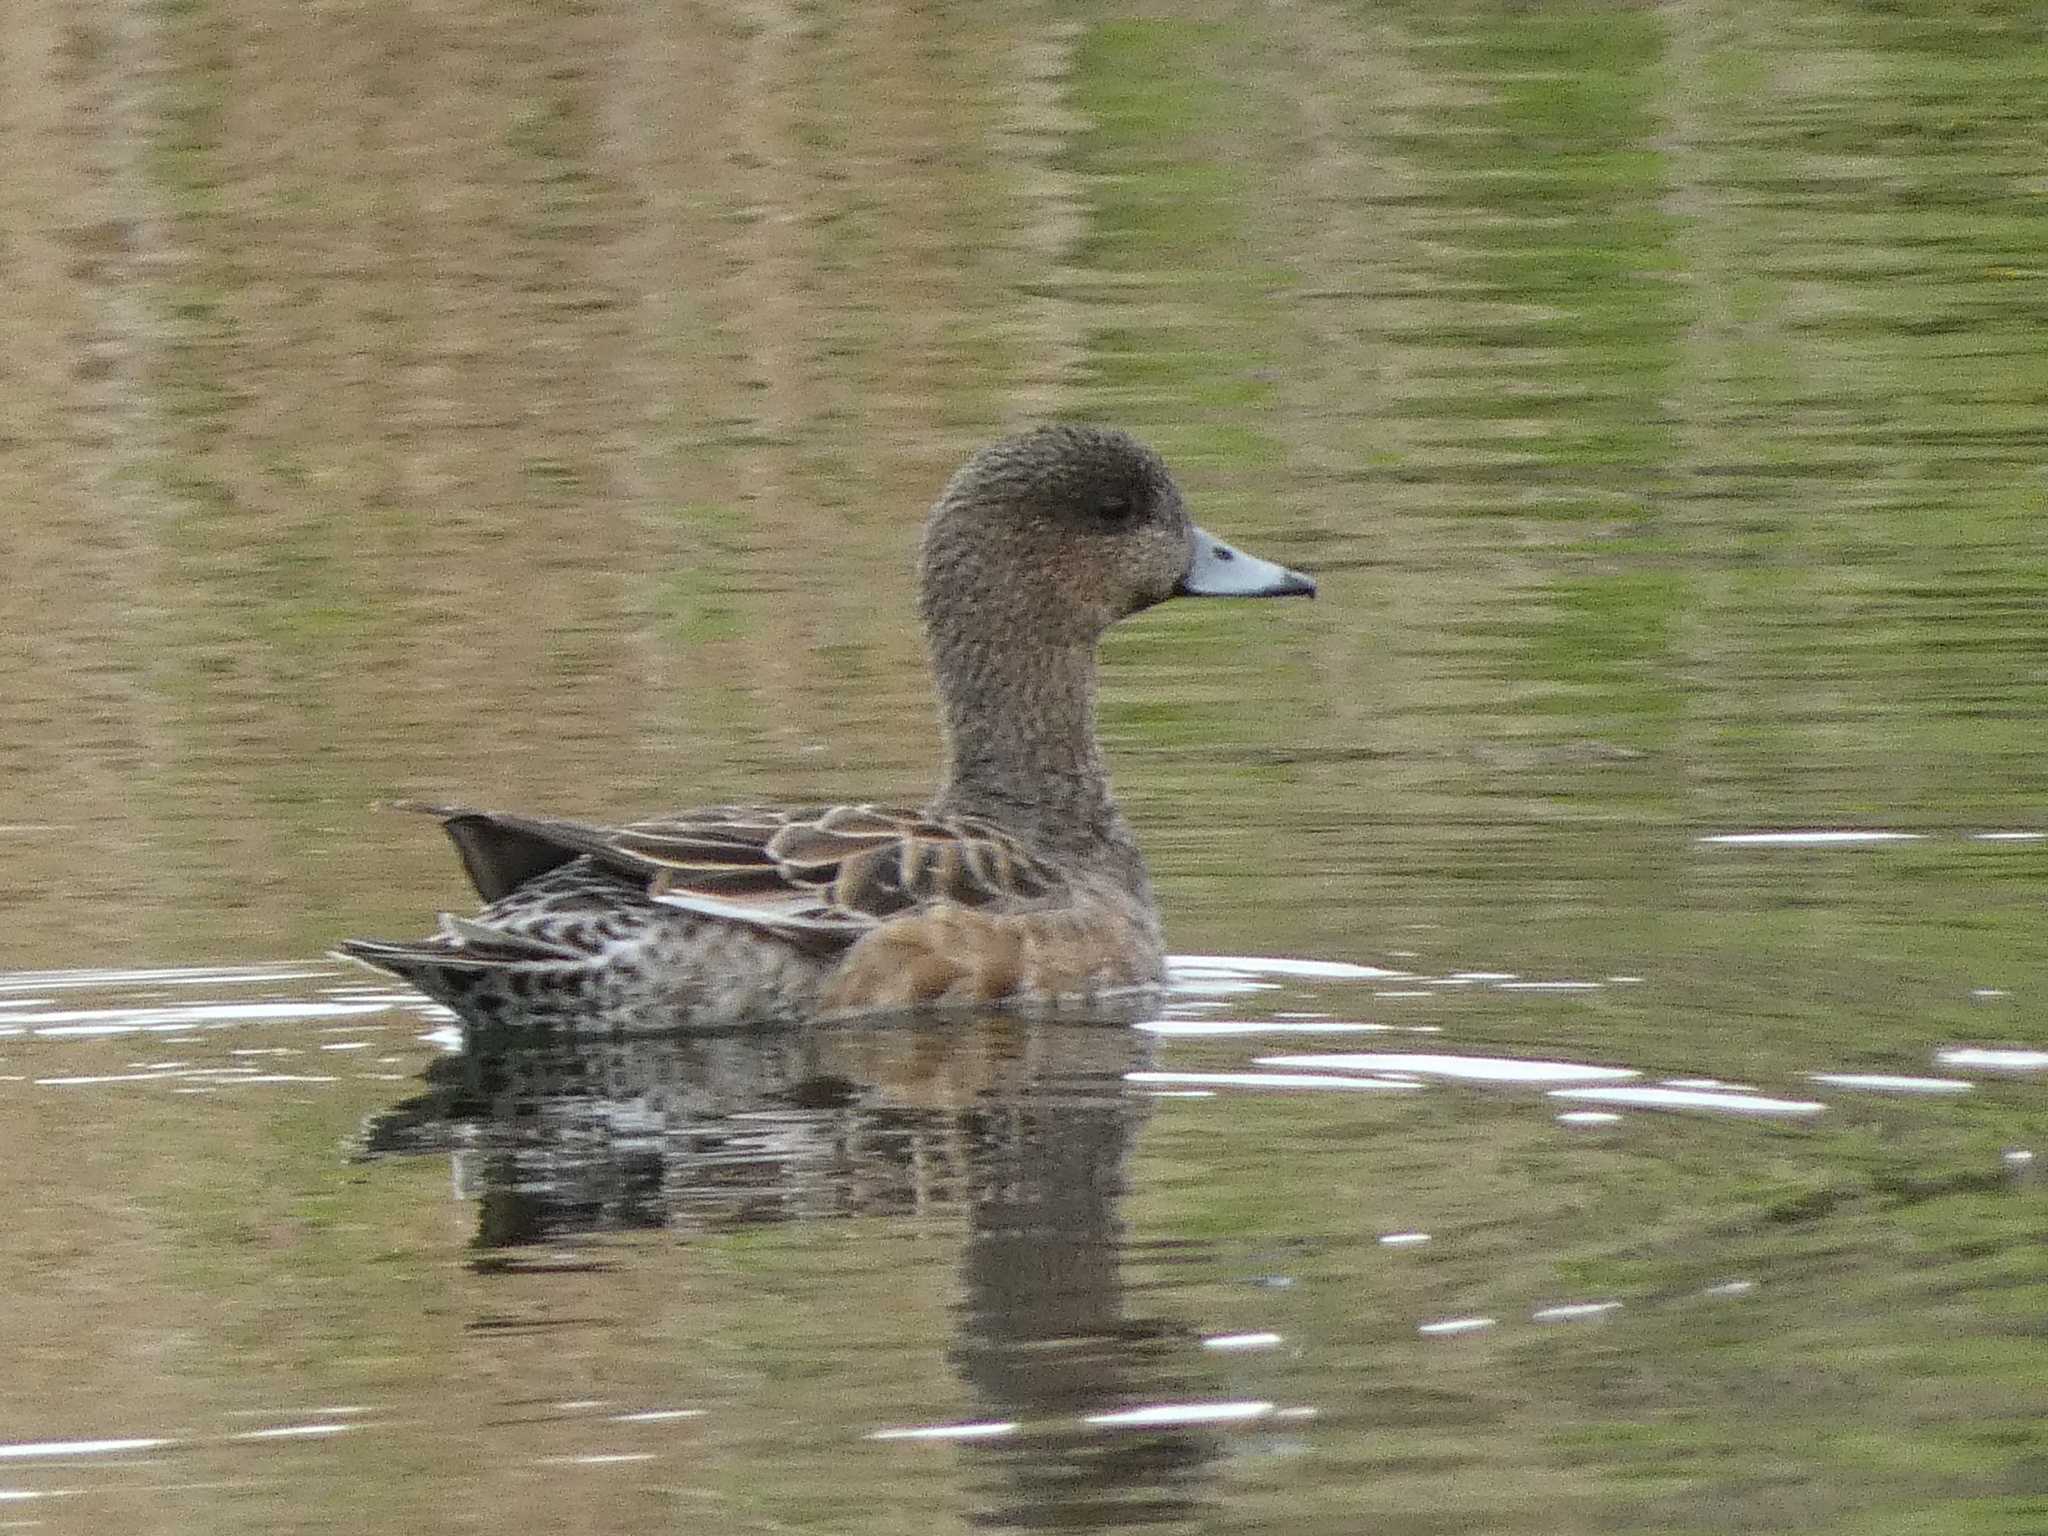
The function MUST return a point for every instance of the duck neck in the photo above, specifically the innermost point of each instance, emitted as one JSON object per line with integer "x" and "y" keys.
{"x": 1018, "y": 713}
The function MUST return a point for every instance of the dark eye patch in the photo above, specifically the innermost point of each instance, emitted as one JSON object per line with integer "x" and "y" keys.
{"x": 1114, "y": 509}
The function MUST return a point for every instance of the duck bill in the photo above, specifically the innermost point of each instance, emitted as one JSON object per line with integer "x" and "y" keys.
{"x": 1217, "y": 570}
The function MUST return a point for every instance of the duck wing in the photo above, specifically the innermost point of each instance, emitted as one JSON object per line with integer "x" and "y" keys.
{"x": 819, "y": 877}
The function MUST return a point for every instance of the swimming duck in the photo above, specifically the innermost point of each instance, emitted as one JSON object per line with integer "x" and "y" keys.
{"x": 1020, "y": 880}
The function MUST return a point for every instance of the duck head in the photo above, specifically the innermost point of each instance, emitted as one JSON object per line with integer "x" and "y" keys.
{"x": 1062, "y": 531}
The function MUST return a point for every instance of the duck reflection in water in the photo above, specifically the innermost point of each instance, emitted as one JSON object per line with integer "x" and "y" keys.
{"x": 1023, "y": 1127}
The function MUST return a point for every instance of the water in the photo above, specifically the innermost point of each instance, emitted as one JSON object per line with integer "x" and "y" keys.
{"x": 537, "y": 405}
{"x": 1299, "y": 1245}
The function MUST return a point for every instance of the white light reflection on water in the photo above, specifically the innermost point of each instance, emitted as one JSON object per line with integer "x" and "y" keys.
{"x": 295, "y": 1432}
{"x": 1181, "y": 1413}
{"x": 1476, "y": 1069}
{"x": 1575, "y": 1311}
{"x": 1455, "y": 1325}
{"x": 1271, "y": 1080}
{"x": 988, "y": 1430}
{"x": 1215, "y": 986}
{"x": 1241, "y": 1341}
{"x": 1207, "y": 1027}
{"x": 23, "y": 1450}
{"x": 212, "y": 1077}
{"x": 1879, "y": 1082}
{"x": 1812, "y": 839}
{"x": 1986, "y": 1059}
{"x": 1706, "y": 1082}
{"x": 80, "y": 1022}
{"x": 1260, "y": 965}
{"x": 190, "y": 976}
{"x": 1689, "y": 1098}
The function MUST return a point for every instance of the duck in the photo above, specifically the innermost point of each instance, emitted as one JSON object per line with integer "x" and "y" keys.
{"x": 1019, "y": 882}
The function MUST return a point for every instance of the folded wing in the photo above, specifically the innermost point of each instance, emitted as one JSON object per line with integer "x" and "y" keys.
{"x": 816, "y": 877}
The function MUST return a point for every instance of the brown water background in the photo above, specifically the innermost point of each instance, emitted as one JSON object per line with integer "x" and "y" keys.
{"x": 536, "y": 404}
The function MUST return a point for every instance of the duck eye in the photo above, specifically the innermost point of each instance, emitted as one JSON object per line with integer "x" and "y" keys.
{"x": 1114, "y": 509}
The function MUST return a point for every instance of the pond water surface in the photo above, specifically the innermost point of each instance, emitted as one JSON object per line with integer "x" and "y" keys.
{"x": 1603, "y": 1083}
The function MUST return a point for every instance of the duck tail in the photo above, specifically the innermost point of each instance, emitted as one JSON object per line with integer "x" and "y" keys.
{"x": 445, "y": 976}
{"x": 451, "y": 975}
